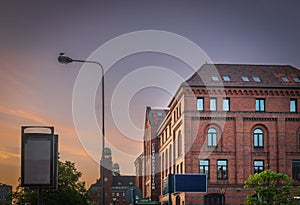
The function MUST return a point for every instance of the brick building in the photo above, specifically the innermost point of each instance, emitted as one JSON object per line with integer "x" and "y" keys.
{"x": 148, "y": 164}
{"x": 5, "y": 192}
{"x": 230, "y": 121}
{"x": 115, "y": 184}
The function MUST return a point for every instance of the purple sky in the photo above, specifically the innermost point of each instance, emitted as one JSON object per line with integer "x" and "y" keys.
{"x": 36, "y": 90}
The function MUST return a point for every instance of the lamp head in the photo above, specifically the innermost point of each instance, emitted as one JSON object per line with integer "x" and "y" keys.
{"x": 64, "y": 59}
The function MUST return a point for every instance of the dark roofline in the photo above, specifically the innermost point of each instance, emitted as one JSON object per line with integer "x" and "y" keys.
{"x": 228, "y": 85}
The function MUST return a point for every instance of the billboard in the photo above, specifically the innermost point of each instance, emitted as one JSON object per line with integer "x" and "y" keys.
{"x": 39, "y": 153}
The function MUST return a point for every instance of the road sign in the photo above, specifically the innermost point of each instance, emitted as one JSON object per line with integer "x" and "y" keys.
{"x": 187, "y": 183}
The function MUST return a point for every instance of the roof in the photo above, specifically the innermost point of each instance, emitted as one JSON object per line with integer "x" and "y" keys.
{"x": 156, "y": 115}
{"x": 229, "y": 75}
{"x": 123, "y": 181}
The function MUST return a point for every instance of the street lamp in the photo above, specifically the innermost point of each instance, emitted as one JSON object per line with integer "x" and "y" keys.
{"x": 65, "y": 60}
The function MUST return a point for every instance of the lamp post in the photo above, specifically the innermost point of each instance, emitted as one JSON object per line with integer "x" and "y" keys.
{"x": 65, "y": 60}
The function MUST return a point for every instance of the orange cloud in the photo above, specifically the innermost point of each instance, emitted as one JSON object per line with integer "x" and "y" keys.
{"x": 23, "y": 114}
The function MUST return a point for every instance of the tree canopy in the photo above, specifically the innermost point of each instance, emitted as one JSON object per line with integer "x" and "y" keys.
{"x": 70, "y": 189}
{"x": 270, "y": 188}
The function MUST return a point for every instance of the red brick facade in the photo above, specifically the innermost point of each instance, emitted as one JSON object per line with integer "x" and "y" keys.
{"x": 228, "y": 121}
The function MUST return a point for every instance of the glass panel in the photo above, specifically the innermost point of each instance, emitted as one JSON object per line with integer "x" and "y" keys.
{"x": 256, "y": 79}
{"x": 255, "y": 140}
{"x": 296, "y": 79}
{"x": 296, "y": 169}
{"x": 213, "y": 104}
{"x": 226, "y": 78}
{"x": 262, "y": 105}
{"x": 285, "y": 79}
{"x": 226, "y": 104}
{"x": 200, "y": 105}
{"x": 256, "y": 105}
{"x": 292, "y": 105}
{"x": 245, "y": 78}
{"x": 261, "y": 143}
{"x": 215, "y": 78}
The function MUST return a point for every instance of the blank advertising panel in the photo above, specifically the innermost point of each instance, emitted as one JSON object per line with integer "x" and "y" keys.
{"x": 190, "y": 183}
{"x": 37, "y": 163}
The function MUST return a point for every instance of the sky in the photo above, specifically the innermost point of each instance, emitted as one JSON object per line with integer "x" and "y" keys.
{"x": 36, "y": 90}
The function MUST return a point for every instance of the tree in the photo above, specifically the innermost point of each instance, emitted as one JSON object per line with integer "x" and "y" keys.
{"x": 70, "y": 189}
{"x": 270, "y": 188}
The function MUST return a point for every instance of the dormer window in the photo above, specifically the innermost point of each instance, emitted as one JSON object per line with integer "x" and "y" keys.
{"x": 296, "y": 79}
{"x": 285, "y": 79}
{"x": 226, "y": 78}
{"x": 256, "y": 79}
{"x": 245, "y": 78}
{"x": 215, "y": 78}
{"x": 159, "y": 114}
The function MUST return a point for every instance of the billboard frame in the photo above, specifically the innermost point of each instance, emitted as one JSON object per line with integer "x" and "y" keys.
{"x": 44, "y": 138}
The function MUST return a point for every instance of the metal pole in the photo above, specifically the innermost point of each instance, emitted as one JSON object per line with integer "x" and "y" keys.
{"x": 40, "y": 196}
{"x": 66, "y": 60}
{"x": 103, "y": 127}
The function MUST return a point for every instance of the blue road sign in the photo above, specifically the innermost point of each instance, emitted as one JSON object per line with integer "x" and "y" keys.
{"x": 187, "y": 183}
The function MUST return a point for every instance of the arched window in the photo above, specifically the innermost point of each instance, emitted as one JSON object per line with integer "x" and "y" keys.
{"x": 258, "y": 138}
{"x": 212, "y": 137}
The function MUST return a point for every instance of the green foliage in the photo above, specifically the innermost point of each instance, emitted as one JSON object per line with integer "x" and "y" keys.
{"x": 70, "y": 189}
{"x": 270, "y": 188}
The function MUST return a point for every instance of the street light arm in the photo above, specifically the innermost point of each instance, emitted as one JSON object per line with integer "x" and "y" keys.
{"x": 65, "y": 60}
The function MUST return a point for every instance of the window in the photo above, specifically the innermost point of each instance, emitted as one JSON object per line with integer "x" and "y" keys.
{"x": 245, "y": 78}
{"x": 296, "y": 79}
{"x": 226, "y": 78}
{"x": 170, "y": 159}
{"x": 179, "y": 144}
{"x": 299, "y": 139}
{"x": 258, "y": 138}
{"x": 296, "y": 169}
{"x": 226, "y": 104}
{"x": 204, "y": 167}
{"x": 200, "y": 104}
{"x": 215, "y": 78}
{"x": 212, "y": 137}
{"x": 159, "y": 114}
{"x": 285, "y": 79}
{"x": 258, "y": 166}
{"x": 256, "y": 79}
{"x": 181, "y": 167}
{"x": 293, "y": 105}
{"x": 163, "y": 164}
{"x": 222, "y": 169}
{"x": 175, "y": 116}
{"x": 179, "y": 109}
{"x": 213, "y": 104}
{"x": 167, "y": 162}
{"x": 260, "y": 104}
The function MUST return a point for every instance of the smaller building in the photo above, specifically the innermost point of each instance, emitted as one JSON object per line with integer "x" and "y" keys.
{"x": 5, "y": 192}
{"x": 115, "y": 184}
